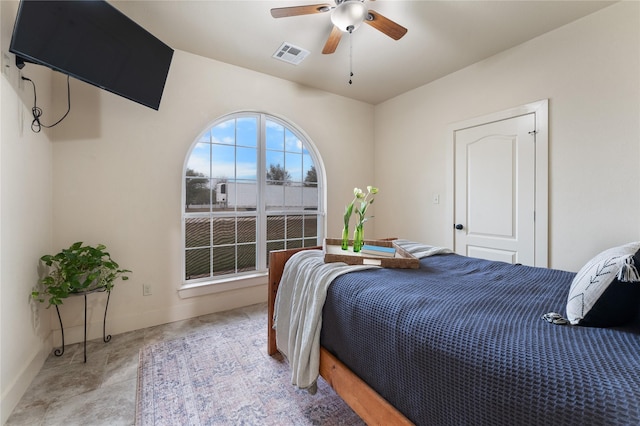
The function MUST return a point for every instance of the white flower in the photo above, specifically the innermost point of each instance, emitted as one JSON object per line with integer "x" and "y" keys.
{"x": 359, "y": 194}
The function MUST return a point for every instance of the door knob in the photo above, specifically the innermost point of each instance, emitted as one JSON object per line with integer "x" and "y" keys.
{"x": 459, "y": 226}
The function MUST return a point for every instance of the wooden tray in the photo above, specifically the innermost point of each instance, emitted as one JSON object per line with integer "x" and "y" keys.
{"x": 403, "y": 259}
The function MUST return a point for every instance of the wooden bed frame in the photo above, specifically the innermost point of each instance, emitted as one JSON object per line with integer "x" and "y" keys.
{"x": 366, "y": 402}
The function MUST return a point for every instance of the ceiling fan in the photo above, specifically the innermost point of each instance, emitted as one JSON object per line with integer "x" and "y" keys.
{"x": 346, "y": 16}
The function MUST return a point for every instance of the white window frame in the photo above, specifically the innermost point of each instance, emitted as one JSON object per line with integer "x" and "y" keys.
{"x": 207, "y": 285}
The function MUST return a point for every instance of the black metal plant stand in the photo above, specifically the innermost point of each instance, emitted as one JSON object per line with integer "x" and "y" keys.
{"x": 105, "y": 338}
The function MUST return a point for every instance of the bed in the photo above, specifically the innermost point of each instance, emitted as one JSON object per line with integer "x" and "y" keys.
{"x": 462, "y": 341}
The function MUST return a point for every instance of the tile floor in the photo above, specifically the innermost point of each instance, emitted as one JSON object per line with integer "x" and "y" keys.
{"x": 69, "y": 392}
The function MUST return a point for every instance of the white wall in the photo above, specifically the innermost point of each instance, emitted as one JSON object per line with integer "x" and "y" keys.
{"x": 25, "y": 222}
{"x": 590, "y": 71}
{"x": 117, "y": 173}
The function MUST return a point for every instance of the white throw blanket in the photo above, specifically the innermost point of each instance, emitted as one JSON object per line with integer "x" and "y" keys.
{"x": 299, "y": 302}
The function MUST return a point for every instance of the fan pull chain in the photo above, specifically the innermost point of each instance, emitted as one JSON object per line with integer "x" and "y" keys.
{"x": 350, "y": 55}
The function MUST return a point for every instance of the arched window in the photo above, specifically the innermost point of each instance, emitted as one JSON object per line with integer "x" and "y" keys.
{"x": 252, "y": 184}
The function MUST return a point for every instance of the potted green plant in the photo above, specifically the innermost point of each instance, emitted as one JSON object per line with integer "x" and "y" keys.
{"x": 76, "y": 270}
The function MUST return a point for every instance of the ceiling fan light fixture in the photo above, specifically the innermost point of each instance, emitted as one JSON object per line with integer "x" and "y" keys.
{"x": 349, "y": 15}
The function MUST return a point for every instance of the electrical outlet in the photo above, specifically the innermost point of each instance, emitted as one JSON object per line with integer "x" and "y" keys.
{"x": 146, "y": 289}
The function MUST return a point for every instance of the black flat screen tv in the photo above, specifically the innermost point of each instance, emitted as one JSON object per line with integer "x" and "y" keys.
{"x": 94, "y": 42}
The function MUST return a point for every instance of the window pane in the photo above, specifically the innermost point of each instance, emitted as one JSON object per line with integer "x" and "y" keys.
{"x": 197, "y": 195}
{"x": 220, "y": 194}
{"x": 293, "y": 163}
{"x": 311, "y": 226}
{"x": 294, "y": 244}
{"x": 294, "y": 227}
{"x": 275, "y": 228}
{"x": 276, "y": 245}
{"x": 197, "y": 232}
{"x": 275, "y": 159}
{"x": 274, "y": 197}
{"x": 292, "y": 143}
{"x": 310, "y": 197}
{"x": 310, "y": 242}
{"x": 309, "y": 171}
{"x": 224, "y": 161}
{"x": 293, "y": 197}
{"x": 246, "y": 257}
{"x": 247, "y": 131}
{"x": 199, "y": 163}
{"x": 275, "y": 136}
{"x": 277, "y": 174}
{"x": 224, "y": 260}
{"x": 247, "y": 230}
{"x": 224, "y": 133}
{"x": 243, "y": 195}
{"x": 224, "y": 230}
{"x": 246, "y": 163}
{"x": 197, "y": 263}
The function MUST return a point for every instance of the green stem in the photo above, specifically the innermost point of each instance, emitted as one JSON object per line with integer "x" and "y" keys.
{"x": 358, "y": 238}
{"x": 345, "y": 237}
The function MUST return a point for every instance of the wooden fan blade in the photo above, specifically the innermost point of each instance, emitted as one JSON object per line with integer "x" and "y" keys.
{"x": 283, "y": 12}
{"x": 385, "y": 25}
{"x": 333, "y": 40}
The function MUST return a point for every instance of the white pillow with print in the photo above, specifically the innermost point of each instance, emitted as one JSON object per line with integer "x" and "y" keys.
{"x": 606, "y": 291}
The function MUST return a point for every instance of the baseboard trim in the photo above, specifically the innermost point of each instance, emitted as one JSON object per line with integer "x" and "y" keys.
{"x": 118, "y": 324}
{"x": 16, "y": 390}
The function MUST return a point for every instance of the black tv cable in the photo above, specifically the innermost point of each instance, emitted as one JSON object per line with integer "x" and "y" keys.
{"x": 36, "y": 111}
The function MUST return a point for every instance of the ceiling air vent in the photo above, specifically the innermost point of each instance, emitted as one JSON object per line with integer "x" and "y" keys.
{"x": 287, "y": 52}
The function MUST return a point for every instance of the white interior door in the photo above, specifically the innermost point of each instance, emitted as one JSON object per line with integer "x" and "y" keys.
{"x": 495, "y": 184}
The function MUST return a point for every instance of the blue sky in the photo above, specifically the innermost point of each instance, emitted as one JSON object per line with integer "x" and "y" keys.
{"x": 232, "y": 147}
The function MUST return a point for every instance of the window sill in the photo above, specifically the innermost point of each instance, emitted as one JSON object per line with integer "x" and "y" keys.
{"x": 228, "y": 284}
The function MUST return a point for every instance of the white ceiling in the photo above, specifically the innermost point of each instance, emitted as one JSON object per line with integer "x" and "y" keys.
{"x": 443, "y": 36}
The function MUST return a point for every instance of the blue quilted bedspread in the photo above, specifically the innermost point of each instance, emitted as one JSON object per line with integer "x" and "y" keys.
{"x": 460, "y": 341}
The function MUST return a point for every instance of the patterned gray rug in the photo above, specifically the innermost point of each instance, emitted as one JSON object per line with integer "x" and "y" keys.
{"x": 221, "y": 375}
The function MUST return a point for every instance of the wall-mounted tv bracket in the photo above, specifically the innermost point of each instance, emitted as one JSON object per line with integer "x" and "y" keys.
{"x": 20, "y": 62}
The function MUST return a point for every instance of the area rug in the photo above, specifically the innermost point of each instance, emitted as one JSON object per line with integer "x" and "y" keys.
{"x": 222, "y": 375}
